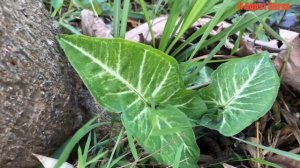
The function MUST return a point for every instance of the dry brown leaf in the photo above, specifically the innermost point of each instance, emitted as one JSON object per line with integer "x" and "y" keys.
{"x": 48, "y": 162}
{"x": 288, "y": 35}
{"x": 246, "y": 48}
{"x": 284, "y": 162}
{"x": 94, "y": 26}
{"x": 264, "y": 45}
{"x": 158, "y": 25}
{"x": 141, "y": 33}
{"x": 227, "y": 166}
{"x": 292, "y": 74}
{"x": 249, "y": 148}
{"x": 292, "y": 121}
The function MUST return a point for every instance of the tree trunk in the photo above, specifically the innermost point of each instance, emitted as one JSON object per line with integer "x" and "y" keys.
{"x": 40, "y": 100}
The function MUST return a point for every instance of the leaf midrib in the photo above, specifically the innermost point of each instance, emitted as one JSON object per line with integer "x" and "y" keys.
{"x": 244, "y": 86}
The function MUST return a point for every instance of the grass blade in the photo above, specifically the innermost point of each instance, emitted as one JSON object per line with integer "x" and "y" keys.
{"x": 75, "y": 139}
{"x": 198, "y": 9}
{"x": 210, "y": 27}
{"x": 56, "y": 4}
{"x": 132, "y": 146}
{"x": 93, "y": 7}
{"x": 125, "y": 12}
{"x": 145, "y": 11}
{"x": 157, "y": 8}
{"x": 96, "y": 158}
{"x": 114, "y": 149}
{"x": 118, "y": 159}
{"x": 69, "y": 27}
{"x": 229, "y": 12}
{"x": 248, "y": 20}
{"x": 264, "y": 162}
{"x": 216, "y": 49}
{"x": 178, "y": 157}
{"x": 87, "y": 147}
{"x": 81, "y": 161}
{"x": 237, "y": 42}
{"x": 116, "y": 18}
{"x": 169, "y": 27}
{"x": 243, "y": 23}
{"x": 277, "y": 151}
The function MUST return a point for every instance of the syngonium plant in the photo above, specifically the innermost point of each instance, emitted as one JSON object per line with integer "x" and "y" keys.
{"x": 148, "y": 88}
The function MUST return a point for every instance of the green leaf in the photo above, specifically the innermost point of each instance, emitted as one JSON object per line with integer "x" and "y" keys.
{"x": 189, "y": 102}
{"x": 164, "y": 147}
{"x": 201, "y": 78}
{"x": 93, "y": 5}
{"x": 134, "y": 78}
{"x": 125, "y": 76}
{"x": 122, "y": 70}
{"x": 242, "y": 91}
{"x": 56, "y": 4}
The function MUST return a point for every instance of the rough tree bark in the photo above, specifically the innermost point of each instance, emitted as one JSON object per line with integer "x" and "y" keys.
{"x": 41, "y": 104}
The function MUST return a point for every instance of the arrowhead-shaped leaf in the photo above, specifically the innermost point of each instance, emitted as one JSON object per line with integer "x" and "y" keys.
{"x": 161, "y": 132}
{"x": 122, "y": 75}
{"x": 132, "y": 78}
{"x": 241, "y": 92}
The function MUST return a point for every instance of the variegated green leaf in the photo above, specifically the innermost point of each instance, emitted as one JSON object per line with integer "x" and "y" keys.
{"x": 161, "y": 132}
{"x": 130, "y": 77}
{"x": 241, "y": 92}
{"x": 122, "y": 75}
